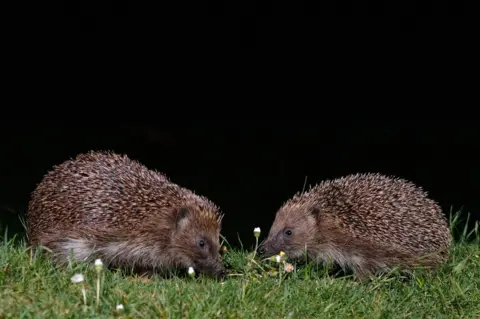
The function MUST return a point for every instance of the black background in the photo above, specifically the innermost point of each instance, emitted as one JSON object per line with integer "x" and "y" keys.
{"x": 249, "y": 168}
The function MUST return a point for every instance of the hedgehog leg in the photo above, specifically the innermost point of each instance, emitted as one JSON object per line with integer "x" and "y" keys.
{"x": 361, "y": 274}
{"x": 65, "y": 248}
{"x": 143, "y": 271}
{"x": 382, "y": 260}
{"x": 76, "y": 249}
{"x": 362, "y": 268}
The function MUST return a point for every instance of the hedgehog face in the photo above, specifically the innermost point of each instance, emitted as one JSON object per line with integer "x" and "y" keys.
{"x": 207, "y": 256}
{"x": 197, "y": 241}
{"x": 292, "y": 231}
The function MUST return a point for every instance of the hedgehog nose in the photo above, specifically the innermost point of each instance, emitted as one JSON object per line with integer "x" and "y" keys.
{"x": 221, "y": 274}
{"x": 262, "y": 250}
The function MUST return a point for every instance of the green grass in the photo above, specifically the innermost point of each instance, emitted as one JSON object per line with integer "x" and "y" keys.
{"x": 30, "y": 287}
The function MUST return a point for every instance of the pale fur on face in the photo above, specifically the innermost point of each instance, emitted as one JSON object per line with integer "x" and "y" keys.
{"x": 301, "y": 222}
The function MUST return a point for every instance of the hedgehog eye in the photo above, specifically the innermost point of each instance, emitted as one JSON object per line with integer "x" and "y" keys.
{"x": 288, "y": 232}
{"x": 201, "y": 243}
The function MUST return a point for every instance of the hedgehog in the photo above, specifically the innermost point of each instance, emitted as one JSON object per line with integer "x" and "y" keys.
{"x": 366, "y": 223}
{"x": 105, "y": 205}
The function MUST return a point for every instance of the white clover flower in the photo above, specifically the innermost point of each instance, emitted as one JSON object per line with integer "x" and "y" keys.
{"x": 256, "y": 231}
{"x": 77, "y": 278}
{"x": 191, "y": 272}
{"x": 278, "y": 258}
{"x": 119, "y": 307}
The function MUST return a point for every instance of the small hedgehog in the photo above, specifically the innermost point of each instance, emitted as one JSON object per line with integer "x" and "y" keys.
{"x": 105, "y": 205}
{"x": 363, "y": 222}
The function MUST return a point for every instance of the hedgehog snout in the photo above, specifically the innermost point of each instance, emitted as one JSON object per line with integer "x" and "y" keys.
{"x": 266, "y": 249}
{"x": 263, "y": 251}
{"x": 220, "y": 271}
{"x": 221, "y": 274}
{"x": 215, "y": 267}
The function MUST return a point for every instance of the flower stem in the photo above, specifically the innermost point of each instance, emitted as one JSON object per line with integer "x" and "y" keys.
{"x": 84, "y": 293}
{"x": 256, "y": 246}
{"x": 98, "y": 288}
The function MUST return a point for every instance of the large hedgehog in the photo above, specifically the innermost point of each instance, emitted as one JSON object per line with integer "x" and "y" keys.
{"x": 105, "y": 205}
{"x": 363, "y": 222}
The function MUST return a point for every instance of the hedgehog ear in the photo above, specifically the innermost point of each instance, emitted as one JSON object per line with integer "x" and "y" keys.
{"x": 181, "y": 218}
{"x": 315, "y": 211}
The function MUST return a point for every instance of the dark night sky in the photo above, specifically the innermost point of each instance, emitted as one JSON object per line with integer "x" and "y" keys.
{"x": 249, "y": 168}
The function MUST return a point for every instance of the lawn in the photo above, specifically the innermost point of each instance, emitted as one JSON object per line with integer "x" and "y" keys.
{"x": 30, "y": 287}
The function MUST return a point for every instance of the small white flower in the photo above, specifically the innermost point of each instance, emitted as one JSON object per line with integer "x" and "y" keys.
{"x": 191, "y": 272}
{"x": 77, "y": 278}
{"x": 98, "y": 265}
{"x": 278, "y": 258}
{"x": 289, "y": 267}
{"x": 120, "y": 307}
{"x": 256, "y": 231}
